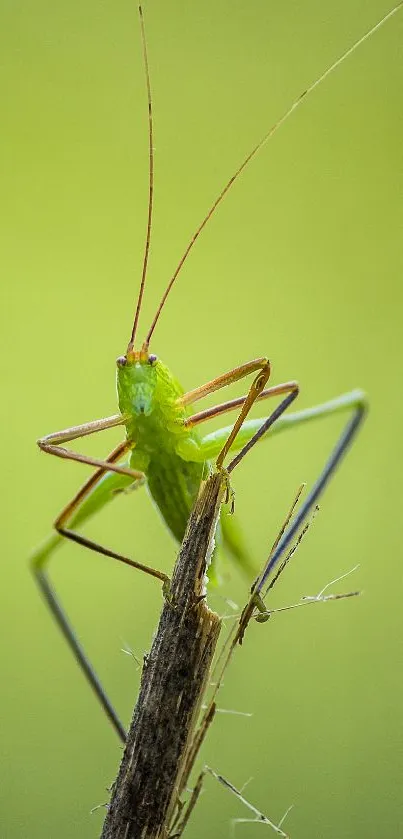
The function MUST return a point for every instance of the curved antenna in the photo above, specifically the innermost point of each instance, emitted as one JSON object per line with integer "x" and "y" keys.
{"x": 150, "y": 182}
{"x": 274, "y": 128}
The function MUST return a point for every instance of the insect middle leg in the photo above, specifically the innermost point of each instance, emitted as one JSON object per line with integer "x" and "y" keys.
{"x": 226, "y": 439}
{"x": 254, "y": 430}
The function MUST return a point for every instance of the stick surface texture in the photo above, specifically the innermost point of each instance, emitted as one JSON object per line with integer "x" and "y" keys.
{"x": 175, "y": 673}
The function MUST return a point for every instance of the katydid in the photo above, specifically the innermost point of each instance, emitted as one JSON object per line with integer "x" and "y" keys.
{"x": 163, "y": 447}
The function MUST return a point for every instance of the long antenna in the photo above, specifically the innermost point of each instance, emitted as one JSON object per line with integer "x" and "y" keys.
{"x": 150, "y": 183}
{"x": 257, "y": 148}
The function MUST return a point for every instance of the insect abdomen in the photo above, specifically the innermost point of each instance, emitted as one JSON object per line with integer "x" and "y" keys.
{"x": 174, "y": 484}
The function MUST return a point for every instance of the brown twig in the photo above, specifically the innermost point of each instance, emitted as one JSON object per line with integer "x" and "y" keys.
{"x": 146, "y": 791}
{"x": 164, "y": 739}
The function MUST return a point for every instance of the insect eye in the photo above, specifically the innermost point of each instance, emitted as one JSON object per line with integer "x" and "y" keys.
{"x": 121, "y": 361}
{"x": 152, "y": 359}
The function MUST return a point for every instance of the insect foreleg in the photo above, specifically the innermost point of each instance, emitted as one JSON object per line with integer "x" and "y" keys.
{"x": 52, "y": 444}
{"x": 188, "y": 449}
{"x": 226, "y": 379}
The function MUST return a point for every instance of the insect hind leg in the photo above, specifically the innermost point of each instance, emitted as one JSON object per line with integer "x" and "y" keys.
{"x": 63, "y": 622}
{"x": 343, "y": 444}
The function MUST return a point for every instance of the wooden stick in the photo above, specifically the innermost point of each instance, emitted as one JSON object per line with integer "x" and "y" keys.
{"x": 173, "y": 681}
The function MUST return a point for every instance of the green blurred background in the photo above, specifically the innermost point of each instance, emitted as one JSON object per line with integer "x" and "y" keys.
{"x": 302, "y": 262}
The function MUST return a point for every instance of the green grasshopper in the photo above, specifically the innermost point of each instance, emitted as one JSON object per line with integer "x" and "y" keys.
{"x": 163, "y": 447}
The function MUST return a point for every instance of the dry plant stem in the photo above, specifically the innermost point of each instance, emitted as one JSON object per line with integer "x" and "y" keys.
{"x": 174, "y": 677}
{"x": 234, "y": 637}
